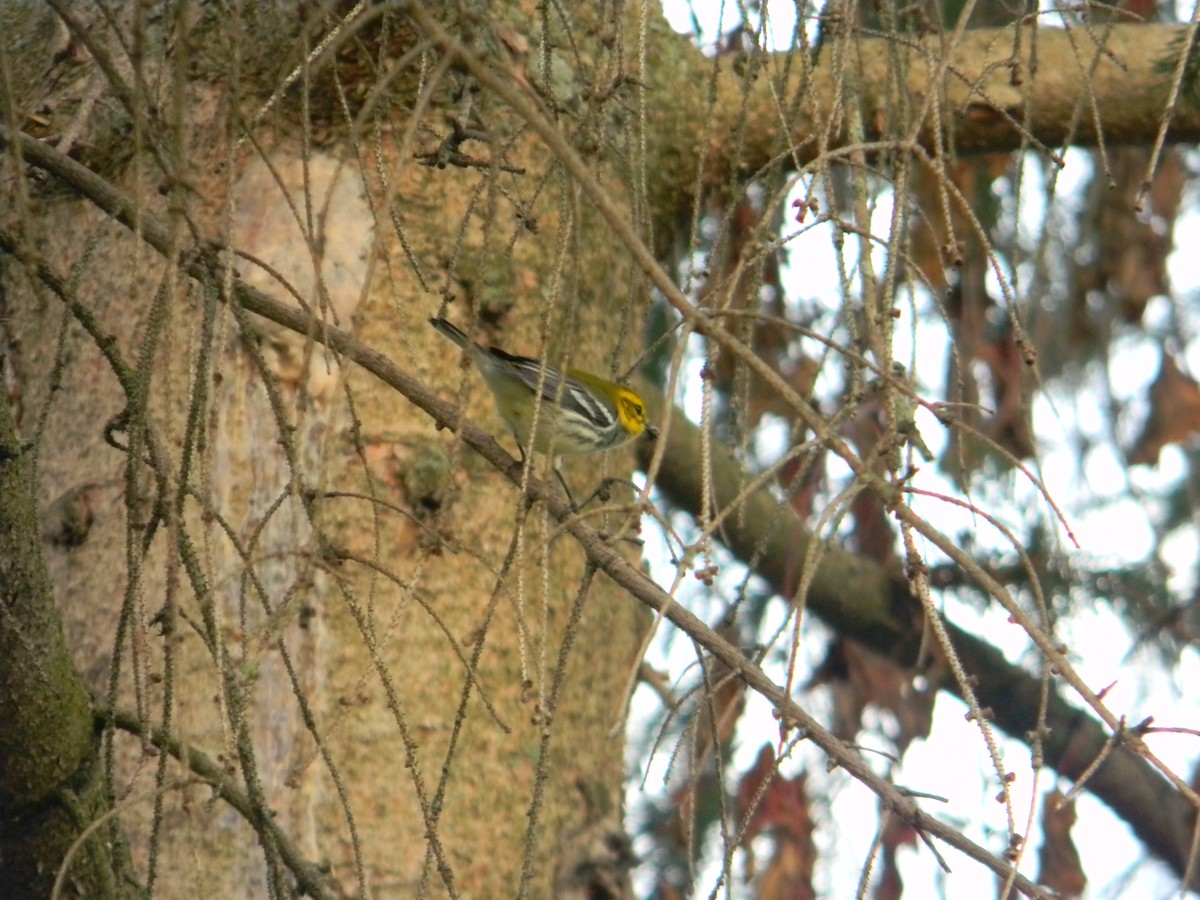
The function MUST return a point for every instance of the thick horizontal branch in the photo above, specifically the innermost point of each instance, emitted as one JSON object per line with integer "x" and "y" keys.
{"x": 1005, "y": 87}
{"x": 994, "y": 90}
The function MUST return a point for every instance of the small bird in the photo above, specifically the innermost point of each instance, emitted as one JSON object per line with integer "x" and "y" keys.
{"x": 580, "y": 412}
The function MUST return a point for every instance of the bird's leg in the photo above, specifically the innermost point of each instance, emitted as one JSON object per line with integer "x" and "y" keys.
{"x": 570, "y": 497}
{"x": 523, "y": 482}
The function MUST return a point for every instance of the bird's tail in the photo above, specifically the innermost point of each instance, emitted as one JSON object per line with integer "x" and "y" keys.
{"x": 452, "y": 331}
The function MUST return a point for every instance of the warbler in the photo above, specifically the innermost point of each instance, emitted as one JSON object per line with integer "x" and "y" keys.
{"x": 580, "y": 412}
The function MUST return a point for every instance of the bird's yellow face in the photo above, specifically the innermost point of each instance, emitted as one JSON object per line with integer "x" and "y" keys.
{"x": 631, "y": 411}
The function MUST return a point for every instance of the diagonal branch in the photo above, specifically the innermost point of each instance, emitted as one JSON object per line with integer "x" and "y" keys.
{"x": 308, "y": 874}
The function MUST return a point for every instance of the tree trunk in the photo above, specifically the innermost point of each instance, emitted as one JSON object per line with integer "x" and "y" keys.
{"x": 299, "y": 569}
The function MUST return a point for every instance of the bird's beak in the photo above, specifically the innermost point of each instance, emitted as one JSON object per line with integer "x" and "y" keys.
{"x": 652, "y": 432}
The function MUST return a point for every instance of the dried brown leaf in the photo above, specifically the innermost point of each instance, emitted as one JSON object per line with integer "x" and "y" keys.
{"x": 858, "y": 677}
{"x": 1174, "y": 413}
{"x": 781, "y": 811}
{"x": 1058, "y": 859}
